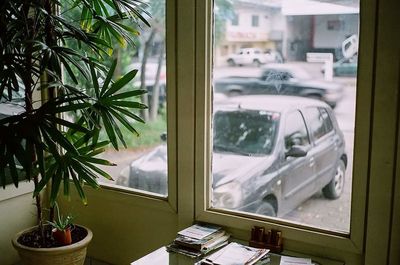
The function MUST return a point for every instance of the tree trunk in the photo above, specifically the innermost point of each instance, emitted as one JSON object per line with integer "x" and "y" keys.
{"x": 146, "y": 54}
{"x": 156, "y": 87}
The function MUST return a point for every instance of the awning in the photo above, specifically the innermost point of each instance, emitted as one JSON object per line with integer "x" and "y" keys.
{"x": 309, "y": 7}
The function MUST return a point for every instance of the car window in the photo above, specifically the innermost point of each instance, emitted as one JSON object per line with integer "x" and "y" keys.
{"x": 295, "y": 130}
{"x": 247, "y": 132}
{"x": 327, "y": 120}
{"x": 273, "y": 75}
{"x": 319, "y": 123}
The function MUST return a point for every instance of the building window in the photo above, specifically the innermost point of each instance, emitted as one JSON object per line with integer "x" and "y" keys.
{"x": 255, "y": 20}
{"x": 235, "y": 19}
{"x": 335, "y": 25}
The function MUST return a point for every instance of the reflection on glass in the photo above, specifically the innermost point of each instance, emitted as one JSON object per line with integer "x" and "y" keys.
{"x": 284, "y": 79}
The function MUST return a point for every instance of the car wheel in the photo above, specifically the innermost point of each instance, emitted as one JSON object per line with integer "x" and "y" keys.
{"x": 231, "y": 62}
{"x": 335, "y": 187}
{"x": 234, "y": 93}
{"x": 267, "y": 209}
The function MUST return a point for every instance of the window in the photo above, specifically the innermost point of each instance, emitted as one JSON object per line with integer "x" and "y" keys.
{"x": 255, "y": 20}
{"x": 235, "y": 19}
{"x": 320, "y": 123}
{"x": 142, "y": 167}
{"x": 295, "y": 131}
{"x": 344, "y": 240}
{"x": 297, "y": 92}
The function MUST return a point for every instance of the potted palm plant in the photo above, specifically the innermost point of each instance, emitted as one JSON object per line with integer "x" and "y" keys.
{"x": 71, "y": 105}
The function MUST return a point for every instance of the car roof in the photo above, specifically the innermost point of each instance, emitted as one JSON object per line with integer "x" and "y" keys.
{"x": 273, "y": 103}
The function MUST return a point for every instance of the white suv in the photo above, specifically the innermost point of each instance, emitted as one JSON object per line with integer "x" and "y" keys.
{"x": 253, "y": 56}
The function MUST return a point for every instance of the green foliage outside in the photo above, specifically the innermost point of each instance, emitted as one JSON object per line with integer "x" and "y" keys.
{"x": 149, "y": 133}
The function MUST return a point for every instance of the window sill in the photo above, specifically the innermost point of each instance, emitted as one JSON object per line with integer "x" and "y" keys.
{"x": 11, "y": 191}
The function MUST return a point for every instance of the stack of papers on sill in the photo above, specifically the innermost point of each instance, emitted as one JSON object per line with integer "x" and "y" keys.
{"x": 235, "y": 254}
{"x": 199, "y": 240}
{"x": 295, "y": 261}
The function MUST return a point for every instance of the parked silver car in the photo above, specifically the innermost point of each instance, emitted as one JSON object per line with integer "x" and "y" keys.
{"x": 270, "y": 153}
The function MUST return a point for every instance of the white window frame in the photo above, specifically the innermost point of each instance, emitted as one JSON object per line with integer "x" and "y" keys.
{"x": 347, "y": 248}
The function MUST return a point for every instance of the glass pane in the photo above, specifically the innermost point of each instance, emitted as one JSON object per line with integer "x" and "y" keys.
{"x": 284, "y": 84}
{"x": 142, "y": 166}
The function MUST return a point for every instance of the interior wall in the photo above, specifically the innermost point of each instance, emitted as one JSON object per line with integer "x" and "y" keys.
{"x": 125, "y": 226}
{"x": 17, "y": 212}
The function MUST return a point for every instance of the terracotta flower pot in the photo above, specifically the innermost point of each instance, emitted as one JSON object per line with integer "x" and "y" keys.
{"x": 62, "y": 236}
{"x": 73, "y": 254}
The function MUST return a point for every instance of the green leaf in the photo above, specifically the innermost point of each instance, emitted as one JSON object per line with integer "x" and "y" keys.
{"x": 127, "y": 104}
{"x": 57, "y": 137}
{"x": 109, "y": 77}
{"x": 98, "y": 161}
{"x": 66, "y": 183}
{"x": 128, "y": 94}
{"x": 99, "y": 171}
{"x": 94, "y": 80}
{"x": 117, "y": 130}
{"x": 68, "y": 124}
{"x": 69, "y": 70}
{"x": 45, "y": 179}
{"x": 55, "y": 185}
{"x": 124, "y": 122}
{"x": 39, "y": 155}
{"x": 85, "y": 174}
{"x": 78, "y": 187}
{"x": 72, "y": 107}
{"x": 110, "y": 131}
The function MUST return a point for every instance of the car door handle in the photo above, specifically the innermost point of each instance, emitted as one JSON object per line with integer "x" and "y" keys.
{"x": 312, "y": 162}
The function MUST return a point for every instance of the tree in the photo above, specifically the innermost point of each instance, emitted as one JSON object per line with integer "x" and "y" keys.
{"x": 42, "y": 139}
{"x": 223, "y": 12}
{"x": 157, "y": 31}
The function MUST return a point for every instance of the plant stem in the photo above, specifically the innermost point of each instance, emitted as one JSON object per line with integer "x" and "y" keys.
{"x": 28, "y": 82}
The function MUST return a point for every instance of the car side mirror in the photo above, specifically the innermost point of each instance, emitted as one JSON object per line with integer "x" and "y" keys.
{"x": 296, "y": 151}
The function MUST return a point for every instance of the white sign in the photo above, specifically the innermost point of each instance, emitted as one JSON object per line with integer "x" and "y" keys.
{"x": 317, "y": 57}
{"x": 326, "y": 58}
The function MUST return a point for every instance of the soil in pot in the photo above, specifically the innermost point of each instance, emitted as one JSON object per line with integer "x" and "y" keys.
{"x": 33, "y": 238}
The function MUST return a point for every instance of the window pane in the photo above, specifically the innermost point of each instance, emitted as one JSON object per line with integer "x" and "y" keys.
{"x": 254, "y": 21}
{"x": 316, "y": 122}
{"x": 295, "y": 131}
{"x": 143, "y": 164}
{"x": 284, "y": 83}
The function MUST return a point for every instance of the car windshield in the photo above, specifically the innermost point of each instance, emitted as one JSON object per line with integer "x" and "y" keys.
{"x": 245, "y": 132}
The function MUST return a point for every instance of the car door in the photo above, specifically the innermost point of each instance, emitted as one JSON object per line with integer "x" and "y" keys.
{"x": 297, "y": 173}
{"x": 325, "y": 143}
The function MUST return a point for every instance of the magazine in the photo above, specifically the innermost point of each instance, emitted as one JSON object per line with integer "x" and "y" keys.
{"x": 199, "y": 231}
{"x": 236, "y": 254}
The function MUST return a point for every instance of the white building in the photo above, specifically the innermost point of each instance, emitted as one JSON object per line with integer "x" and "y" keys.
{"x": 293, "y": 27}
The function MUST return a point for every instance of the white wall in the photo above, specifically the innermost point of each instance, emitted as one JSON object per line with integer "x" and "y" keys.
{"x": 324, "y": 38}
{"x": 17, "y": 212}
